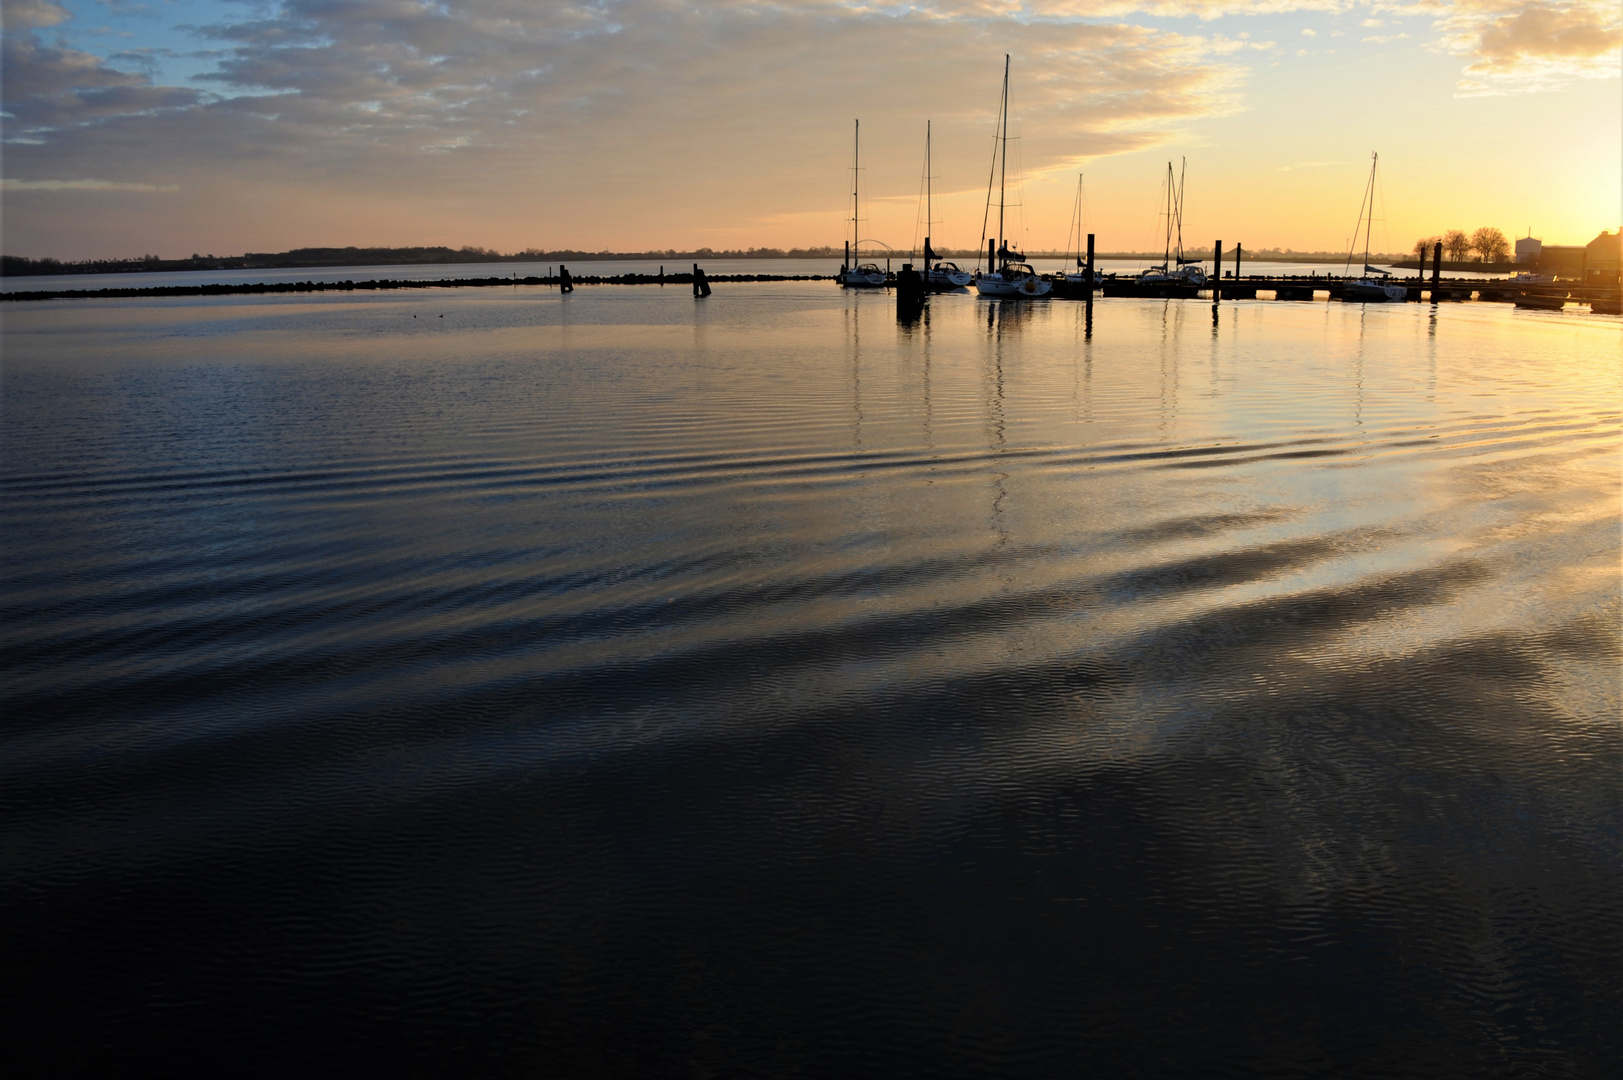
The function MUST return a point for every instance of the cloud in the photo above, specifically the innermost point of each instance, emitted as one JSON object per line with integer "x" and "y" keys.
{"x": 1309, "y": 32}
{"x": 9, "y": 184}
{"x": 331, "y": 113}
{"x": 1517, "y": 47}
{"x": 391, "y": 98}
{"x": 31, "y": 14}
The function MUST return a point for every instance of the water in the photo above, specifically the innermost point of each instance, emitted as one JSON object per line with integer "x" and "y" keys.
{"x": 494, "y": 682}
{"x": 604, "y": 267}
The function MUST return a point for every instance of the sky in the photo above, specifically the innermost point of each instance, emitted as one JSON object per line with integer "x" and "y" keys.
{"x": 175, "y": 127}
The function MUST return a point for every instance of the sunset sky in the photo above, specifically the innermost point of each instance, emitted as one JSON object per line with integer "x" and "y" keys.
{"x": 181, "y": 126}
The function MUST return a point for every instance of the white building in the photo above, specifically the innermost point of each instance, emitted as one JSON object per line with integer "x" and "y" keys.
{"x": 1528, "y": 249}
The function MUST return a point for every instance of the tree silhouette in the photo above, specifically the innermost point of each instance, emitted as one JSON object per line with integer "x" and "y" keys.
{"x": 1456, "y": 245}
{"x": 1423, "y": 247}
{"x": 1490, "y": 244}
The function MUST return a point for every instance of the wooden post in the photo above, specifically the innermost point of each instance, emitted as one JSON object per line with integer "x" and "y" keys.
{"x": 1239, "y": 249}
{"x": 1217, "y": 271}
{"x": 991, "y": 256}
{"x": 1436, "y": 269}
{"x": 1090, "y": 267}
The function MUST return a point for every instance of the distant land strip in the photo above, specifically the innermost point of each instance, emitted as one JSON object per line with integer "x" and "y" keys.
{"x": 314, "y": 258}
{"x": 372, "y": 286}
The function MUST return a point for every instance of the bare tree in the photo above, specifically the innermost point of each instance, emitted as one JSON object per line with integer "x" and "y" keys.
{"x": 1490, "y": 244}
{"x": 1456, "y": 245}
{"x": 1423, "y": 247}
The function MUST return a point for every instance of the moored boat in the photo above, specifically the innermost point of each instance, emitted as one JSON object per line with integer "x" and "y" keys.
{"x": 1083, "y": 280}
{"x": 1541, "y": 301}
{"x": 1174, "y": 275}
{"x": 854, "y": 275}
{"x": 1014, "y": 279}
{"x": 939, "y": 276}
{"x": 1372, "y": 287}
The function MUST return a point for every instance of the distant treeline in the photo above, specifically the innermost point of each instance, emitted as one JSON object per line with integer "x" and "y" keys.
{"x": 19, "y": 266}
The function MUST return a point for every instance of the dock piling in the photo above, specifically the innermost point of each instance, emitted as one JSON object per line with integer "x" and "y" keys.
{"x": 909, "y": 294}
{"x": 1217, "y": 276}
{"x": 701, "y": 285}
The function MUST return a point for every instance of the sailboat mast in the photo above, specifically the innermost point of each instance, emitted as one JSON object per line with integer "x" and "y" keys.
{"x": 856, "y": 206}
{"x": 929, "y": 211}
{"x": 1183, "y": 170}
{"x": 1369, "y": 222}
{"x": 1166, "y": 250}
{"x": 1003, "y": 165}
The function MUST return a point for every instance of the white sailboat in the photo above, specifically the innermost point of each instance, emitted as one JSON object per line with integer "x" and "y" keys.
{"x": 1014, "y": 278}
{"x": 939, "y": 276}
{"x": 852, "y": 275}
{"x": 1372, "y": 288}
{"x": 1174, "y": 269}
{"x": 1078, "y": 223}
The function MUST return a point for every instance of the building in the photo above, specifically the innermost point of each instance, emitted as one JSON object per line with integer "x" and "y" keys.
{"x": 1527, "y": 248}
{"x": 1603, "y": 259}
{"x": 1560, "y": 261}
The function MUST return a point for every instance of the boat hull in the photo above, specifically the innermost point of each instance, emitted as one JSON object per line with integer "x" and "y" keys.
{"x": 1372, "y": 292}
{"x": 1541, "y": 302}
{"x": 857, "y": 279}
{"x": 1019, "y": 289}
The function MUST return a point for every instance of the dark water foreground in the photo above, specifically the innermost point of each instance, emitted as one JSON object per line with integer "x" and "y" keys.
{"x": 618, "y": 686}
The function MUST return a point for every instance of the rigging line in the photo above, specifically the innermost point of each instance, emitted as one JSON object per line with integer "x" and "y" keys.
{"x": 1003, "y": 167}
{"x": 1073, "y": 231}
{"x": 986, "y": 215}
{"x": 924, "y": 196}
{"x": 1353, "y": 243}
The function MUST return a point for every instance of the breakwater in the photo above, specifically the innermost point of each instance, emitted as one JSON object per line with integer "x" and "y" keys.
{"x": 386, "y": 283}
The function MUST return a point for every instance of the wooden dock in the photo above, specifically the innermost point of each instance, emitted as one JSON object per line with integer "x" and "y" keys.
{"x": 1308, "y": 287}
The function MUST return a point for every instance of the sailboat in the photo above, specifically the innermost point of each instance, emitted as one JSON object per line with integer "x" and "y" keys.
{"x": 1078, "y": 214}
{"x": 1174, "y": 269}
{"x": 939, "y": 276}
{"x": 1013, "y": 277}
{"x": 1372, "y": 288}
{"x": 867, "y": 275}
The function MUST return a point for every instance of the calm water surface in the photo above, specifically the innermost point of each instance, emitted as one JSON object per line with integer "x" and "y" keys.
{"x": 490, "y": 682}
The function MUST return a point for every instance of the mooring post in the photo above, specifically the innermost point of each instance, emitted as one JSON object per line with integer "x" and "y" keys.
{"x": 1436, "y": 268}
{"x": 846, "y": 265}
{"x": 662, "y": 276}
{"x": 701, "y": 284}
{"x": 991, "y": 256}
{"x": 1090, "y": 268}
{"x": 1217, "y": 271}
{"x": 1239, "y": 250}
{"x": 909, "y": 294}
{"x": 564, "y": 284}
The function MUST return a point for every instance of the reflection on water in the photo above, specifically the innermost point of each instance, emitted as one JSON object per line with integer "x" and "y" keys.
{"x": 620, "y": 684}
